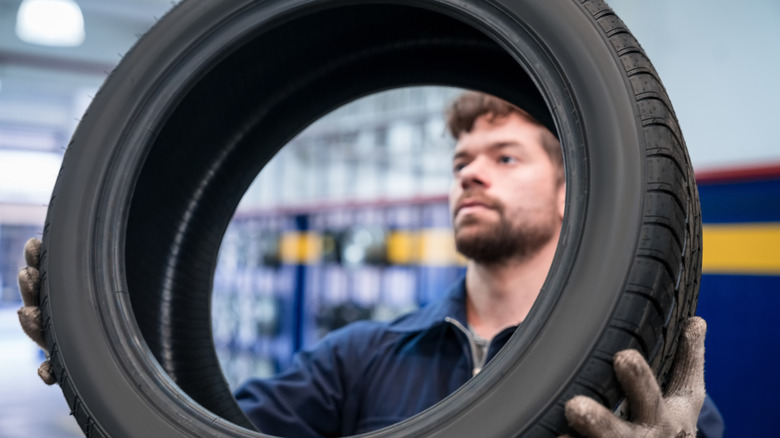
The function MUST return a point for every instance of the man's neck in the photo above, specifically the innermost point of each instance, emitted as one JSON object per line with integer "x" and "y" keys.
{"x": 500, "y": 295}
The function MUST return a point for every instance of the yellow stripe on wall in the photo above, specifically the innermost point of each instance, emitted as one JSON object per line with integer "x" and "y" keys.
{"x": 752, "y": 248}
{"x": 741, "y": 249}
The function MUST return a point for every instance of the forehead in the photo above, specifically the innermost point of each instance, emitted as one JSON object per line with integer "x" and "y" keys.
{"x": 509, "y": 131}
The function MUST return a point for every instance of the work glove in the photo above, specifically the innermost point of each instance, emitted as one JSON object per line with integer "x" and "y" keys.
{"x": 653, "y": 414}
{"x": 30, "y": 314}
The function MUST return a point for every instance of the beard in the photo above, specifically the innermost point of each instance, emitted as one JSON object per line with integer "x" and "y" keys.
{"x": 501, "y": 242}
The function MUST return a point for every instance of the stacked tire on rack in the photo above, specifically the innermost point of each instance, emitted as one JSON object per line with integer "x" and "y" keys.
{"x": 192, "y": 113}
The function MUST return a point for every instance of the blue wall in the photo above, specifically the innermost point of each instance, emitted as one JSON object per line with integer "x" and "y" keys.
{"x": 743, "y": 346}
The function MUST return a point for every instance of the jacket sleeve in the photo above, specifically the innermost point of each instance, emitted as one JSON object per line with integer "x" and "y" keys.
{"x": 307, "y": 399}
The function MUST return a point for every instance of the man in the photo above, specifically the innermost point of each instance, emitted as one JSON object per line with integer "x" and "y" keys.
{"x": 507, "y": 202}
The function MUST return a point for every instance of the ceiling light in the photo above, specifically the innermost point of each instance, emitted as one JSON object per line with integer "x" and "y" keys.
{"x": 50, "y": 23}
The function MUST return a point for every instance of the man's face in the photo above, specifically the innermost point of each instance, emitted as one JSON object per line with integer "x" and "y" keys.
{"x": 506, "y": 199}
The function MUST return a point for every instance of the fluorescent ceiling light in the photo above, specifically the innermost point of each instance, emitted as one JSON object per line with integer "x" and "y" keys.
{"x": 50, "y": 23}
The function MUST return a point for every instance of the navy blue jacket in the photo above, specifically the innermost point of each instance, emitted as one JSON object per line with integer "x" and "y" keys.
{"x": 369, "y": 375}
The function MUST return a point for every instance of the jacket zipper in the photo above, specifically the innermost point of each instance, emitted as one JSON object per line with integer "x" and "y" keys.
{"x": 477, "y": 367}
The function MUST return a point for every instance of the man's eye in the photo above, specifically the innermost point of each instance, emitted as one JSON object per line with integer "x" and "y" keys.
{"x": 457, "y": 167}
{"x": 506, "y": 159}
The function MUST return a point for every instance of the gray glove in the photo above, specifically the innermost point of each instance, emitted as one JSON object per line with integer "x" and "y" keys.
{"x": 654, "y": 415}
{"x": 30, "y": 314}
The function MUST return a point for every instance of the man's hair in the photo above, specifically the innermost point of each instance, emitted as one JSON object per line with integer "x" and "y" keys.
{"x": 471, "y": 105}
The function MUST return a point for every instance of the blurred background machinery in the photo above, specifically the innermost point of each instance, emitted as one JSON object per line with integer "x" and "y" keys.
{"x": 350, "y": 220}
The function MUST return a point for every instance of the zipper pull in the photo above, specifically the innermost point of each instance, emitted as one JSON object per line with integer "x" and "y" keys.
{"x": 476, "y": 364}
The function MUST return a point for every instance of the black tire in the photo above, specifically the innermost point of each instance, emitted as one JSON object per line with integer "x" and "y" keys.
{"x": 200, "y": 104}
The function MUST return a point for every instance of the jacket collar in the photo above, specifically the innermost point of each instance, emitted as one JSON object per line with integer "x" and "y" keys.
{"x": 452, "y": 305}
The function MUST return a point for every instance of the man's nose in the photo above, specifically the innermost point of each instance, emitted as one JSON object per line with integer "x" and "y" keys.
{"x": 475, "y": 173}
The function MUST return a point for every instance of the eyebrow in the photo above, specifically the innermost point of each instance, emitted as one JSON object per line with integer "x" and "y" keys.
{"x": 493, "y": 147}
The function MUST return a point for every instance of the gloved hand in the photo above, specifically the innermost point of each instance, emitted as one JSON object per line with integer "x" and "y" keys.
{"x": 653, "y": 415}
{"x": 30, "y": 314}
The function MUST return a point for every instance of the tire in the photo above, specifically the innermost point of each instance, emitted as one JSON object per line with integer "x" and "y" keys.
{"x": 182, "y": 126}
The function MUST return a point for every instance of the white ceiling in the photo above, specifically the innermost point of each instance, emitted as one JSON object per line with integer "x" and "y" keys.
{"x": 45, "y": 90}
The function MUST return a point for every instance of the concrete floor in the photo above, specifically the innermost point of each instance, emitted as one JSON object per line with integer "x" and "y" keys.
{"x": 28, "y": 408}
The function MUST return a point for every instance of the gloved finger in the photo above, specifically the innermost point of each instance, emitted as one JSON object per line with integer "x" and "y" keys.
{"x": 590, "y": 419}
{"x": 32, "y": 252}
{"x": 45, "y": 373}
{"x": 30, "y": 319}
{"x": 29, "y": 279}
{"x": 638, "y": 382}
{"x": 688, "y": 369}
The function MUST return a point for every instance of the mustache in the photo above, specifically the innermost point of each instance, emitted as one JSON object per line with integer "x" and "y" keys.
{"x": 470, "y": 198}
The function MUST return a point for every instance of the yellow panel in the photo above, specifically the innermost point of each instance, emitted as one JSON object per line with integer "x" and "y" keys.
{"x": 301, "y": 248}
{"x": 741, "y": 248}
{"x": 437, "y": 247}
{"x": 288, "y": 248}
{"x": 403, "y": 247}
{"x": 311, "y": 247}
